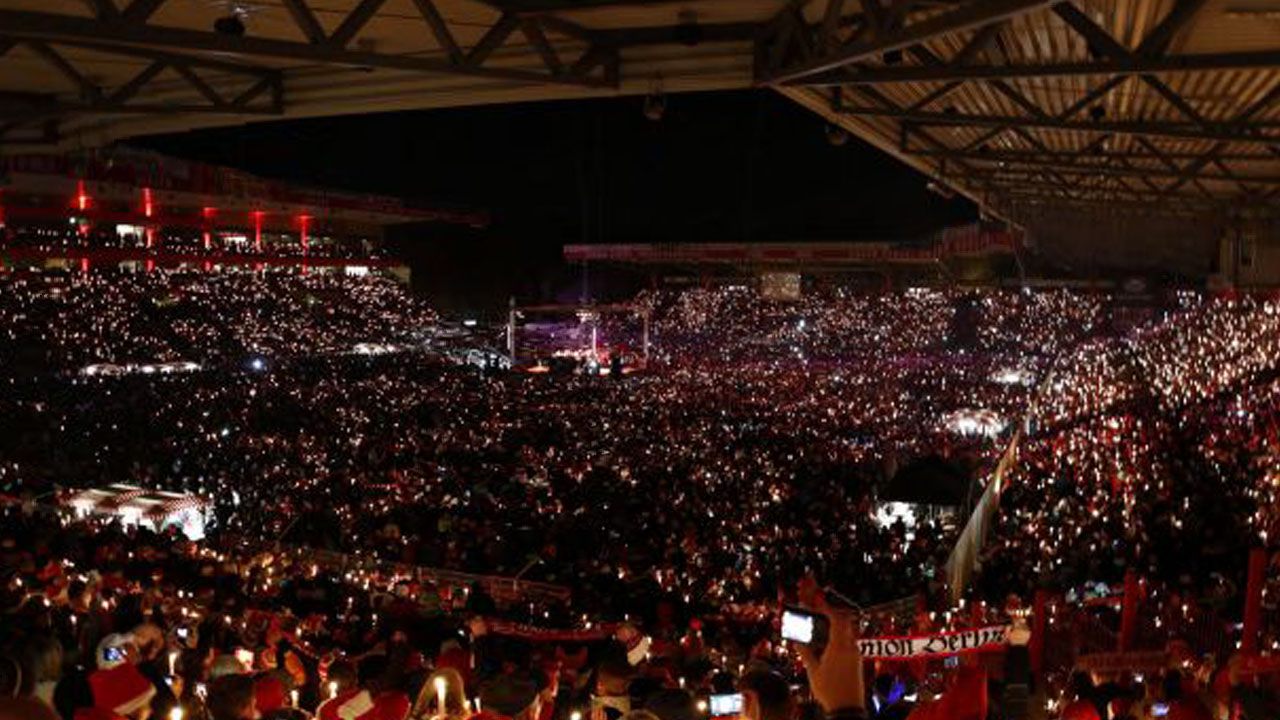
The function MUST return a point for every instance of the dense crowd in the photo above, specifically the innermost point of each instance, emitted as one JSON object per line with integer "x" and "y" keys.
{"x": 65, "y": 322}
{"x": 678, "y": 504}
{"x": 73, "y": 236}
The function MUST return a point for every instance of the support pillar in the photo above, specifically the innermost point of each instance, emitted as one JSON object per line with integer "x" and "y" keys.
{"x": 1129, "y": 611}
{"x": 1039, "y": 622}
{"x": 1249, "y": 640}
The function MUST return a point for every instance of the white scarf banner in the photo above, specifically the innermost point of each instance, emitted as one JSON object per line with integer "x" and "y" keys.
{"x": 924, "y": 646}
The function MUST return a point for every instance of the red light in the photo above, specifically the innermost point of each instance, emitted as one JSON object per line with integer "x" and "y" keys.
{"x": 208, "y": 240}
{"x": 148, "y": 208}
{"x": 84, "y": 264}
{"x": 257, "y": 231}
{"x": 303, "y": 222}
{"x": 82, "y": 199}
{"x": 209, "y": 212}
{"x": 151, "y": 237}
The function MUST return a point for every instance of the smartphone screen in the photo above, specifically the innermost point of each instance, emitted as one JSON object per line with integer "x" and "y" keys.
{"x": 797, "y": 626}
{"x": 112, "y": 654}
{"x": 1159, "y": 709}
{"x": 245, "y": 657}
{"x": 726, "y": 705}
{"x": 183, "y": 633}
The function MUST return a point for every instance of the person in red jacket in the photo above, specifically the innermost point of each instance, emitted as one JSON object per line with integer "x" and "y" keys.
{"x": 119, "y": 693}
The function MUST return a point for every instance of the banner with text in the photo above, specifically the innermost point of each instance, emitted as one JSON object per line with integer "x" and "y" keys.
{"x": 923, "y": 646}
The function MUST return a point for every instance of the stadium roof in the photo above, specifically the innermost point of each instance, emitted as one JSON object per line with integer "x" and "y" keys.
{"x": 1169, "y": 105}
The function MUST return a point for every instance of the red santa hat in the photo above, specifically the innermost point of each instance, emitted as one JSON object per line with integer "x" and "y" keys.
{"x": 120, "y": 689}
{"x": 269, "y": 692}
{"x": 360, "y": 705}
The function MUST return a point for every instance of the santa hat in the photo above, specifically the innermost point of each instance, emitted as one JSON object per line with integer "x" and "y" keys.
{"x": 121, "y": 689}
{"x": 93, "y": 713}
{"x": 637, "y": 644}
{"x": 56, "y": 589}
{"x": 269, "y": 692}
{"x": 360, "y": 705}
{"x": 452, "y": 655}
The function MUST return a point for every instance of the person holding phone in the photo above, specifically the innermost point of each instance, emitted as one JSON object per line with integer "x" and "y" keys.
{"x": 835, "y": 674}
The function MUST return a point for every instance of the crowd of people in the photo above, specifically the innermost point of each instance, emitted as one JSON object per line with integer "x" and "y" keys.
{"x": 65, "y": 322}
{"x": 676, "y": 505}
{"x": 61, "y": 237}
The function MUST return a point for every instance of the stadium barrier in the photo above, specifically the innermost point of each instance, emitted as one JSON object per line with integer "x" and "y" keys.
{"x": 504, "y": 590}
{"x": 963, "y": 562}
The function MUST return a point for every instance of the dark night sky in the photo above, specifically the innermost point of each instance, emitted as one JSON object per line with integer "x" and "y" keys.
{"x": 733, "y": 166}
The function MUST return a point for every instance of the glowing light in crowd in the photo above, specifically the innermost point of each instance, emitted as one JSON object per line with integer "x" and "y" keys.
{"x": 1013, "y": 376}
{"x": 984, "y": 423}
{"x": 114, "y": 370}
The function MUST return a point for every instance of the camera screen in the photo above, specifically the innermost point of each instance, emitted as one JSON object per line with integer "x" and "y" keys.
{"x": 725, "y": 705}
{"x": 797, "y": 627}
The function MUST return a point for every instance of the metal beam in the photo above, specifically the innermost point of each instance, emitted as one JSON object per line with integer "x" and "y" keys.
{"x": 252, "y": 92}
{"x": 60, "y": 109}
{"x": 968, "y": 17}
{"x": 532, "y": 30}
{"x": 140, "y": 11}
{"x": 669, "y": 34}
{"x": 1101, "y": 42}
{"x": 493, "y": 39}
{"x": 62, "y": 27}
{"x": 305, "y": 20}
{"x": 102, "y": 8}
{"x": 354, "y": 23}
{"x": 1177, "y": 18}
{"x": 1190, "y": 63}
{"x": 194, "y": 61}
{"x": 528, "y": 7}
{"x": 88, "y": 90}
{"x": 1016, "y": 203}
{"x": 200, "y": 85}
{"x": 976, "y": 46}
{"x": 1094, "y": 95}
{"x": 1223, "y": 132}
{"x": 1085, "y": 192}
{"x": 1093, "y": 170}
{"x": 440, "y": 29}
{"x": 126, "y": 92}
{"x": 48, "y": 134}
{"x": 1063, "y": 156}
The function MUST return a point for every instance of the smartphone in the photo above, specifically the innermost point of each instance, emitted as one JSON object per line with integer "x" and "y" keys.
{"x": 183, "y": 633}
{"x": 113, "y": 654}
{"x": 726, "y": 705}
{"x": 799, "y": 626}
{"x": 245, "y": 657}
{"x": 1159, "y": 709}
